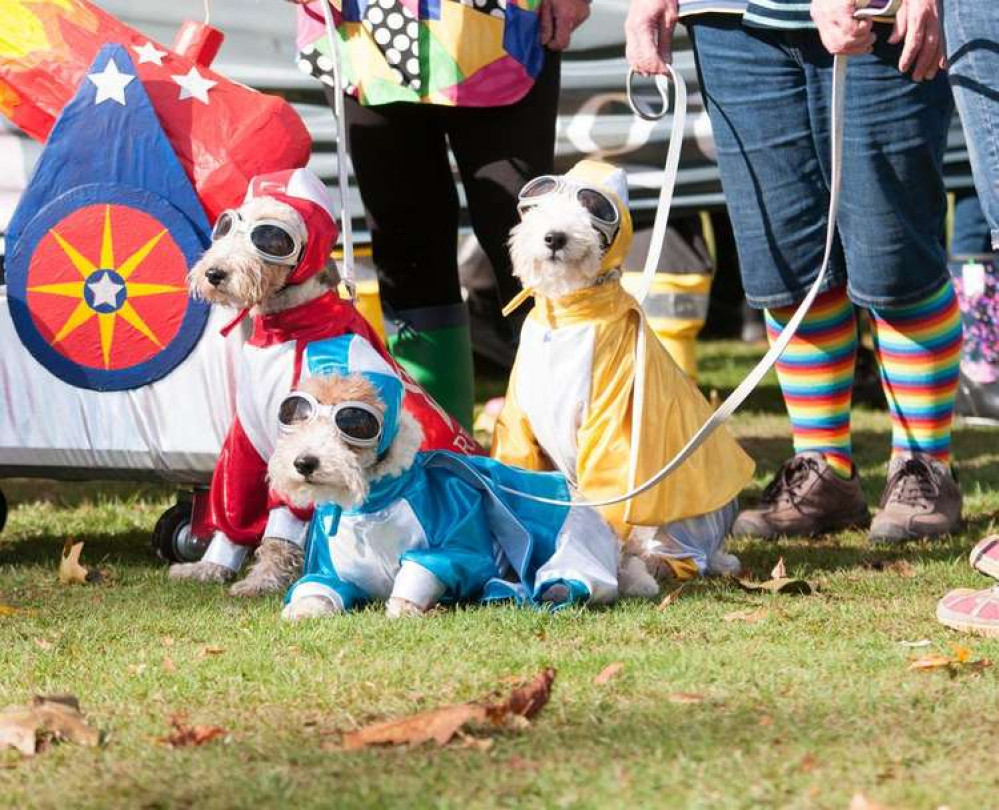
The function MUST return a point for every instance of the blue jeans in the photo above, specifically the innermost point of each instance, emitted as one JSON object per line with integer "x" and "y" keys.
{"x": 767, "y": 93}
{"x": 971, "y": 30}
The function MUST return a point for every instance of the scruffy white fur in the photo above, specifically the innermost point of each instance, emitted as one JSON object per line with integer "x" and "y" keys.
{"x": 251, "y": 283}
{"x": 344, "y": 475}
{"x": 556, "y": 273}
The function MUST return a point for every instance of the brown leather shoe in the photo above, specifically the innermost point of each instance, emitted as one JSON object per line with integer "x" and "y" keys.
{"x": 805, "y": 498}
{"x": 921, "y": 499}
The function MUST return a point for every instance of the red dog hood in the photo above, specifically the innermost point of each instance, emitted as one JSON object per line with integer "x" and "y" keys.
{"x": 307, "y": 194}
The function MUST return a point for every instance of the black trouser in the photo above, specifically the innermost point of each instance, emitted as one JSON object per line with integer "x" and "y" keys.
{"x": 400, "y": 157}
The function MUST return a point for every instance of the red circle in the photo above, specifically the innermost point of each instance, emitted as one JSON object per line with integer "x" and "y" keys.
{"x": 162, "y": 313}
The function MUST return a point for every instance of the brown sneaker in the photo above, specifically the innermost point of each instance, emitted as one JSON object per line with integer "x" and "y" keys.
{"x": 805, "y": 498}
{"x": 921, "y": 499}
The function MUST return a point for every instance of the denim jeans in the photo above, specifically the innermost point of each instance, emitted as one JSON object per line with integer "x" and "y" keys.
{"x": 971, "y": 30}
{"x": 767, "y": 93}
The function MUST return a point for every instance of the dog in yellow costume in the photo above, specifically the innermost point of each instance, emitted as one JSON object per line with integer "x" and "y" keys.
{"x": 595, "y": 395}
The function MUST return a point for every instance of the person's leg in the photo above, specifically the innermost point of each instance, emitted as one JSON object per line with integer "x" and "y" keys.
{"x": 891, "y": 225}
{"x": 778, "y": 195}
{"x": 399, "y": 152}
{"x": 498, "y": 149}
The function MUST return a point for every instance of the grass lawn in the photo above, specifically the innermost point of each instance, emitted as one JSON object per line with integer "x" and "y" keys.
{"x": 805, "y": 707}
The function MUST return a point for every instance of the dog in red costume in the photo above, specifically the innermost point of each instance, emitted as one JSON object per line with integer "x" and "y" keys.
{"x": 270, "y": 259}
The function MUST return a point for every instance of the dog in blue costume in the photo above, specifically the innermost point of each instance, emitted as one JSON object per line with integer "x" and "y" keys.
{"x": 417, "y": 529}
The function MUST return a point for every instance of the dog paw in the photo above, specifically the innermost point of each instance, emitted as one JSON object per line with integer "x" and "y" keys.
{"x": 309, "y": 607}
{"x": 276, "y": 565}
{"x": 202, "y": 571}
{"x": 635, "y": 579}
{"x": 397, "y": 608}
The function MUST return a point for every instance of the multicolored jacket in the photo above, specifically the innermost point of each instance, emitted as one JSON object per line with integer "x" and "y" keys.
{"x": 456, "y": 53}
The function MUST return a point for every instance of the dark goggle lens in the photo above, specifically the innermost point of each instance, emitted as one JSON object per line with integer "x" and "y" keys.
{"x": 358, "y": 423}
{"x": 294, "y": 411}
{"x": 273, "y": 241}
{"x": 222, "y": 225}
{"x": 538, "y": 188}
{"x": 597, "y": 205}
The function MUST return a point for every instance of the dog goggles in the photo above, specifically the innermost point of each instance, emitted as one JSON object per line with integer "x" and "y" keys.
{"x": 268, "y": 237}
{"x": 358, "y": 423}
{"x": 603, "y": 213}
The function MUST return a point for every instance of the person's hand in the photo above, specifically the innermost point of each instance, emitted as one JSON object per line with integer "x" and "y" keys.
{"x": 917, "y": 24}
{"x": 649, "y": 34}
{"x": 840, "y": 32}
{"x": 559, "y": 18}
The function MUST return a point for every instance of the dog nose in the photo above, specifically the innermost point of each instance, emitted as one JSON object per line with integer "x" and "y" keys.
{"x": 215, "y": 276}
{"x": 306, "y": 465}
{"x": 556, "y": 239}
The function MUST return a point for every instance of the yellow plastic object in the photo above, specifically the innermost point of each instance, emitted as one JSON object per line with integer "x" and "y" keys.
{"x": 676, "y": 307}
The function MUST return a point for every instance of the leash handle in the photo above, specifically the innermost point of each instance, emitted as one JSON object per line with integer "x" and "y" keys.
{"x": 753, "y": 379}
{"x": 342, "y": 151}
{"x": 672, "y": 167}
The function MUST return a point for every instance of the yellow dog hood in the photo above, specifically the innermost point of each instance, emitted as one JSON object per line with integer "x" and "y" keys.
{"x": 614, "y": 183}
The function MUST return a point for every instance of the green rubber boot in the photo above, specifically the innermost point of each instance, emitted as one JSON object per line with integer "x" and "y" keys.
{"x": 434, "y": 345}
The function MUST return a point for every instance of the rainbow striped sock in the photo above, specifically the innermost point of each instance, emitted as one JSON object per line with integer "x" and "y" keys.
{"x": 816, "y": 376}
{"x": 919, "y": 349}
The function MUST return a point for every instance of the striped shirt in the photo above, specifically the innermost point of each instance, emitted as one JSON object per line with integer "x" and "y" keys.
{"x": 786, "y": 14}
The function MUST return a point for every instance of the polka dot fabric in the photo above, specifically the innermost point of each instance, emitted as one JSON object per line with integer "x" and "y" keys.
{"x": 472, "y": 53}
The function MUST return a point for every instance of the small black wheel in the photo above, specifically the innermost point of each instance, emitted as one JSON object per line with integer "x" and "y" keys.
{"x": 3, "y": 510}
{"x": 172, "y": 538}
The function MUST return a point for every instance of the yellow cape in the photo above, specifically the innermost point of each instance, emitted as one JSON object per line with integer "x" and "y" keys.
{"x": 635, "y": 382}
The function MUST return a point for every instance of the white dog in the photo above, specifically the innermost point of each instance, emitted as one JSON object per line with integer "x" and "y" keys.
{"x": 595, "y": 395}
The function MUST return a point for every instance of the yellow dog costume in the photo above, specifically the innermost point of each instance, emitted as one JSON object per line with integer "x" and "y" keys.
{"x": 595, "y": 395}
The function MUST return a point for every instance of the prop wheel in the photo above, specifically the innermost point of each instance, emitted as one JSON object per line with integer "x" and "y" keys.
{"x": 3, "y": 510}
{"x": 173, "y": 540}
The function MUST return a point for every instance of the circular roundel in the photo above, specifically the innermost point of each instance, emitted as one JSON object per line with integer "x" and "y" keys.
{"x": 97, "y": 287}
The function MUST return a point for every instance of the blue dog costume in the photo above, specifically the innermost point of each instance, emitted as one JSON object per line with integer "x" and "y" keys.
{"x": 448, "y": 516}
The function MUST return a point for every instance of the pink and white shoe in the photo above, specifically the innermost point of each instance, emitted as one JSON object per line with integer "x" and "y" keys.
{"x": 985, "y": 556}
{"x": 971, "y": 611}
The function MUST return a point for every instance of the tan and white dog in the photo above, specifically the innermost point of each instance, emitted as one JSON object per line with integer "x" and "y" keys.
{"x": 593, "y": 392}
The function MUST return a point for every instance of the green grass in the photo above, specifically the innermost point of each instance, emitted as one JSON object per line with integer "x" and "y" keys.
{"x": 802, "y": 709}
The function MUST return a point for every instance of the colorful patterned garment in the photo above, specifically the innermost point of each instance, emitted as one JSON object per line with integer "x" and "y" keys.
{"x": 458, "y": 53}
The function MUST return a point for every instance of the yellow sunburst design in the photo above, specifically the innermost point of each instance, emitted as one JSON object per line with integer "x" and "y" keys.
{"x": 84, "y": 312}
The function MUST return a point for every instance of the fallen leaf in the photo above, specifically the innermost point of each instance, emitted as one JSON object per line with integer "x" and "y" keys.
{"x": 685, "y": 697}
{"x": 516, "y": 763}
{"x": 10, "y": 610}
{"x": 780, "y": 570}
{"x": 442, "y": 725}
{"x": 70, "y": 569}
{"x": 671, "y": 597}
{"x": 608, "y": 673}
{"x": 47, "y": 718}
{"x": 960, "y": 660}
{"x": 808, "y": 763}
{"x": 168, "y": 664}
{"x": 765, "y": 720}
{"x": 184, "y": 735}
{"x": 167, "y": 641}
{"x": 211, "y": 649}
{"x": 748, "y": 616}
{"x": 787, "y": 587}
{"x": 923, "y": 642}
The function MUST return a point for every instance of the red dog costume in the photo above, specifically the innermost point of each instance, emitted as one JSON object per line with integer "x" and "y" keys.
{"x": 242, "y": 509}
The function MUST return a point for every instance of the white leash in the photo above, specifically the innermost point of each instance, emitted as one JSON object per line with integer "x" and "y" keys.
{"x": 347, "y": 266}
{"x": 753, "y": 379}
{"x": 671, "y": 169}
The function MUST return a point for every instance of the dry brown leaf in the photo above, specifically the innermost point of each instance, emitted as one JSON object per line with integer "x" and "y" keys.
{"x": 960, "y": 660}
{"x": 168, "y": 664}
{"x": 211, "y": 649}
{"x": 442, "y": 725}
{"x": 56, "y": 718}
{"x": 685, "y": 697}
{"x": 671, "y": 597}
{"x": 808, "y": 763}
{"x": 748, "y": 616}
{"x": 10, "y": 610}
{"x": 184, "y": 735}
{"x": 608, "y": 673}
{"x": 70, "y": 569}
{"x": 780, "y": 570}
